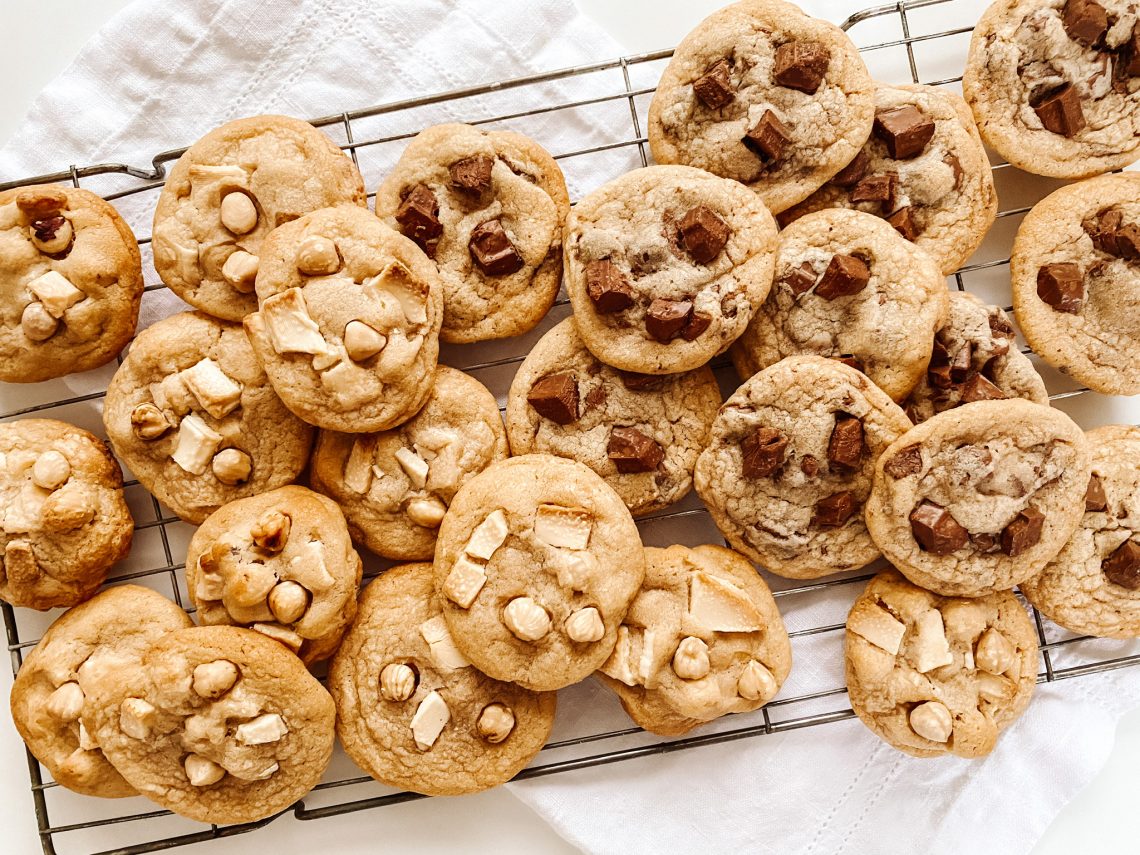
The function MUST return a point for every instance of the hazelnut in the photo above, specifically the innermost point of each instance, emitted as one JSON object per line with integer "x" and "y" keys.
{"x": 240, "y": 270}
{"x": 53, "y": 234}
{"x": 585, "y": 625}
{"x": 68, "y": 508}
{"x": 526, "y": 619}
{"x": 397, "y": 682}
{"x": 496, "y": 723}
{"x": 136, "y": 717}
{"x": 37, "y": 324}
{"x": 238, "y": 213}
{"x": 427, "y": 512}
{"x": 932, "y": 721}
{"x": 232, "y": 467}
{"x": 361, "y": 341}
{"x": 994, "y": 653}
{"x": 51, "y": 470}
{"x": 202, "y": 772}
{"x": 756, "y": 683}
{"x": 288, "y": 602}
{"x": 66, "y": 702}
{"x": 214, "y": 679}
{"x": 271, "y": 531}
{"x": 148, "y": 422}
{"x": 691, "y": 661}
{"x": 317, "y": 256}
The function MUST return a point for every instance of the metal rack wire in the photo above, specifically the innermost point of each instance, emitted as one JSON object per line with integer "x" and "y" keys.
{"x": 611, "y": 99}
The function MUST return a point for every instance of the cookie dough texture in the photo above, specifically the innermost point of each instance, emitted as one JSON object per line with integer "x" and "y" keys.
{"x": 702, "y": 639}
{"x": 192, "y": 415}
{"x": 887, "y": 326}
{"x": 825, "y": 128}
{"x": 935, "y": 675}
{"x": 537, "y": 562}
{"x": 799, "y": 513}
{"x": 108, "y": 632}
{"x": 673, "y": 411}
{"x": 63, "y": 519}
{"x": 70, "y": 283}
{"x": 281, "y": 563}
{"x": 398, "y": 665}
{"x": 1098, "y": 344}
{"x": 348, "y": 318}
{"x": 218, "y": 724}
{"x": 395, "y": 486}
{"x": 524, "y": 192}
{"x": 948, "y": 188}
{"x": 637, "y": 224}
{"x": 999, "y": 470}
{"x": 1073, "y": 589}
{"x": 283, "y": 167}
{"x": 1020, "y": 52}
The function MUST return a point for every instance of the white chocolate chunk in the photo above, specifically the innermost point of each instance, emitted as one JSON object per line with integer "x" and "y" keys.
{"x": 464, "y": 582}
{"x": 397, "y": 682}
{"x": 217, "y": 393}
{"x": 429, "y": 721}
{"x": 488, "y": 536}
{"x": 51, "y": 470}
{"x": 362, "y": 341}
{"x": 313, "y": 565}
{"x": 691, "y": 661}
{"x": 414, "y": 466}
{"x": 214, "y": 679}
{"x": 620, "y": 664}
{"x": 568, "y": 528}
{"x": 526, "y": 619}
{"x": 86, "y": 743}
{"x": 136, "y": 717}
{"x": 647, "y": 662}
{"x": 279, "y": 633}
{"x": 756, "y": 683}
{"x": 66, "y": 702}
{"x": 265, "y": 773}
{"x": 427, "y": 512}
{"x": 205, "y": 728}
{"x": 262, "y": 730}
{"x": 444, "y": 653}
{"x": 877, "y": 625}
{"x": 720, "y": 606}
{"x": 574, "y": 569}
{"x": 201, "y": 771}
{"x": 930, "y": 649}
{"x": 396, "y": 281}
{"x": 358, "y": 466}
{"x": 932, "y": 721}
{"x": 585, "y": 626}
{"x": 55, "y": 292}
{"x": 291, "y": 330}
{"x": 196, "y": 445}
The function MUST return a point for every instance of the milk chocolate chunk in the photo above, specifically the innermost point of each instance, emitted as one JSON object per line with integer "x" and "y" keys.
{"x": 906, "y": 130}
{"x": 853, "y": 173}
{"x": 955, "y": 165}
{"x": 763, "y": 452}
{"x": 1023, "y": 532}
{"x": 703, "y": 234}
{"x": 640, "y": 382}
{"x": 768, "y": 138}
{"x": 938, "y": 372}
{"x": 666, "y": 318}
{"x": 1095, "y": 500}
{"x": 607, "y": 287}
{"x": 844, "y": 276}
{"x": 809, "y": 466}
{"x": 801, "y": 65}
{"x": 835, "y": 510}
{"x": 845, "y": 447}
{"x": 713, "y": 88}
{"x": 876, "y": 188}
{"x": 696, "y": 325}
{"x": 472, "y": 174}
{"x": 1101, "y": 229}
{"x": 556, "y": 397}
{"x": 984, "y": 542}
{"x": 1130, "y": 54}
{"x": 596, "y": 397}
{"x": 1085, "y": 21}
{"x": 418, "y": 217}
{"x": 1000, "y": 327}
{"x": 935, "y": 530}
{"x": 799, "y": 279}
{"x": 493, "y": 250}
{"x": 1062, "y": 287}
{"x": 633, "y": 451}
{"x": 907, "y": 461}
{"x": 1122, "y": 567}
{"x": 904, "y": 223}
{"x": 960, "y": 362}
{"x": 978, "y": 388}
{"x": 1128, "y": 241}
{"x": 1060, "y": 111}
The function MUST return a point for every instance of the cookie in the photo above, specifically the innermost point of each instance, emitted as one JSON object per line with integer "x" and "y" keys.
{"x": 107, "y": 632}
{"x": 761, "y": 93}
{"x": 975, "y": 358}
{"x": 537, "y": 561}
{"x": 664, "y": 266}
{"x": 63, "y": 519}
{"x": 1075, "y": 276}
{"x": 347, "y": 325}
{"x": 923, "y": 169}
{"x": 218, "y": 724}
{"x": 790, "y": 462}
{"x": 412, "y": 712}
{"x": 193, "y": 416}
{"x": 935, "y": 675}
{"x": 1055, "y": 84}
{"x": 280, "y": 563}
{"x": 702, "y": 639}
{"x": 394, "y": 487}
{"x": 641, "y": 433}
{"x": 979, "y": 498}
{"x": 1093, "y": 585}
{"x": 228, "y": 191}
{"x": 488, "y": 208}
{"x": 70, "y": 283}
{"x": 849, "y": 286}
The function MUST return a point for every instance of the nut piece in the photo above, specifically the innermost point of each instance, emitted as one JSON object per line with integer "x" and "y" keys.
{"x": 488, "y": 535}
{"x": 36, "y": 323}
{"x": 262, "y": 730}
{"x": 288, "y": 601}
{"x": 994, "y": 653}
{"x": 495, "y": 723}
{"x": 431, "y": 717}
{"x": 214, "y": 679}
{"x": 932, "y": 721}
{"x": 196, "y": 444}
{"x": 232, "y": 467}
{"x": 444, "y": 653}
{"x": 464, "y": 582}
{"x": 317, "y": 256}
{"x": 427, "y": 512}
{"x": 240, "y": 270}
{"x": 691, "y": 661}
{"x": 756, "y": 683}
{"x": 55, "y": 292}
{"x": 51, "y": 470}
{"x": 271, "y": 531}
{"x": 238, "y": 213}
{"x": 136, "y": 717}
{"x": 397, "y": 682}
{"x": 557, "y": 526}
{"x": 362, "y": 342}
{"x": 526, "y": 619}
{"x": 148, "y": 422}
{"x": 414, "y": 466}
{"x": 52, "y": 235}
{"x": 202, "y": 772}
{"x": 585, "y": 625}
{"x": 66, "y": 702}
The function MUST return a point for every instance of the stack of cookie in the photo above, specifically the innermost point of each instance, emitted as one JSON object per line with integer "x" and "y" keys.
{"x": 878, "y": 416}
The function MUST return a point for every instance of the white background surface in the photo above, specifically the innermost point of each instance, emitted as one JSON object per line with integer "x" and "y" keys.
{"x": 39, "y": 41}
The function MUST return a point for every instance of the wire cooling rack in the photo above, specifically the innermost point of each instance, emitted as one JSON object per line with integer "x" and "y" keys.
{"x": 592, "y": 118}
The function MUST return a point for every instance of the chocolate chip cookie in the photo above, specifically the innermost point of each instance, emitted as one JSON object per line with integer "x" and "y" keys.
{"x": 412, "y": 711}
{"x": 280, "y": 563}
{"x": 979, "y": 498}
{"x": 228, "y": 191}
{"x": 218, "y": 724}
{"x": 537, "y": 562}
{"x": 664, "y": 266}
{"x": 790, "y": 462}
{"x": 63, "y": 519}
{"x": 1093, "y": 585}
{"x": 640, "y": 432}
{"x": 975, "y": 358}
{"x": 394, "y": 487}
{"x": 1075, "y": 275}
{"x": 107, "y": 632}
{"x": 488, "y": 208}
{"x": 923, "y": 169}
{"x": 348, "y": 317}
{"x": 761, "y": 93}
{"x": 935, "y": 675}
{"x": 702, "y": 639}
{"x": 70, "y": 279}
{"x": 1055, "y": 84}
{"x": 849, "y": 286}
{"x": 193, "y": 416}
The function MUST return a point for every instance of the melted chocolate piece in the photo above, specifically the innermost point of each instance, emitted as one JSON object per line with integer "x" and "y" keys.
{"x": 835, "y": 510}
{"x": 978, "y": 388}
{"x": 907, "y": 461}
{"x": 493, "y": 251}
{"x": 472, "y": 174}
{"x": 1122, "y": 567}
{"x": 768, "y": 138}
{"x": 703, "y": 234}
{"x": 845, "y": 448}
{"x": 607, "y": 287}
{"x": 632, "y": 451}
{"x": 799, "y": 279}
{"x": 904, "y": 223}
{"x": 801, "y": 65}
{"x": 1095, "y": 500}
{"x": 877, "y": 188}
{"x": 906, "y": 130}
{"x": 1062, "y": 287}
{"x": 762, "y": 452}
{"x": 1060, "y": 111}
{"x": 853, "y": 173}
{"x": 640, "y": 382}
{"x": 936, "y": 530}
{"x": 418, "y": 218}
{"x": 696, "y": 325}
{"x": 809, "y": 466}
{"x": 556, "y": 397}
{"x": 714, "y": 88}
{"x": 666, "y": 318}
{"x": 1023, "y": 532}
{"x": 845, "y": 275}
{"x": 595, "y": 397}
{"x": 1085, "y": 21}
